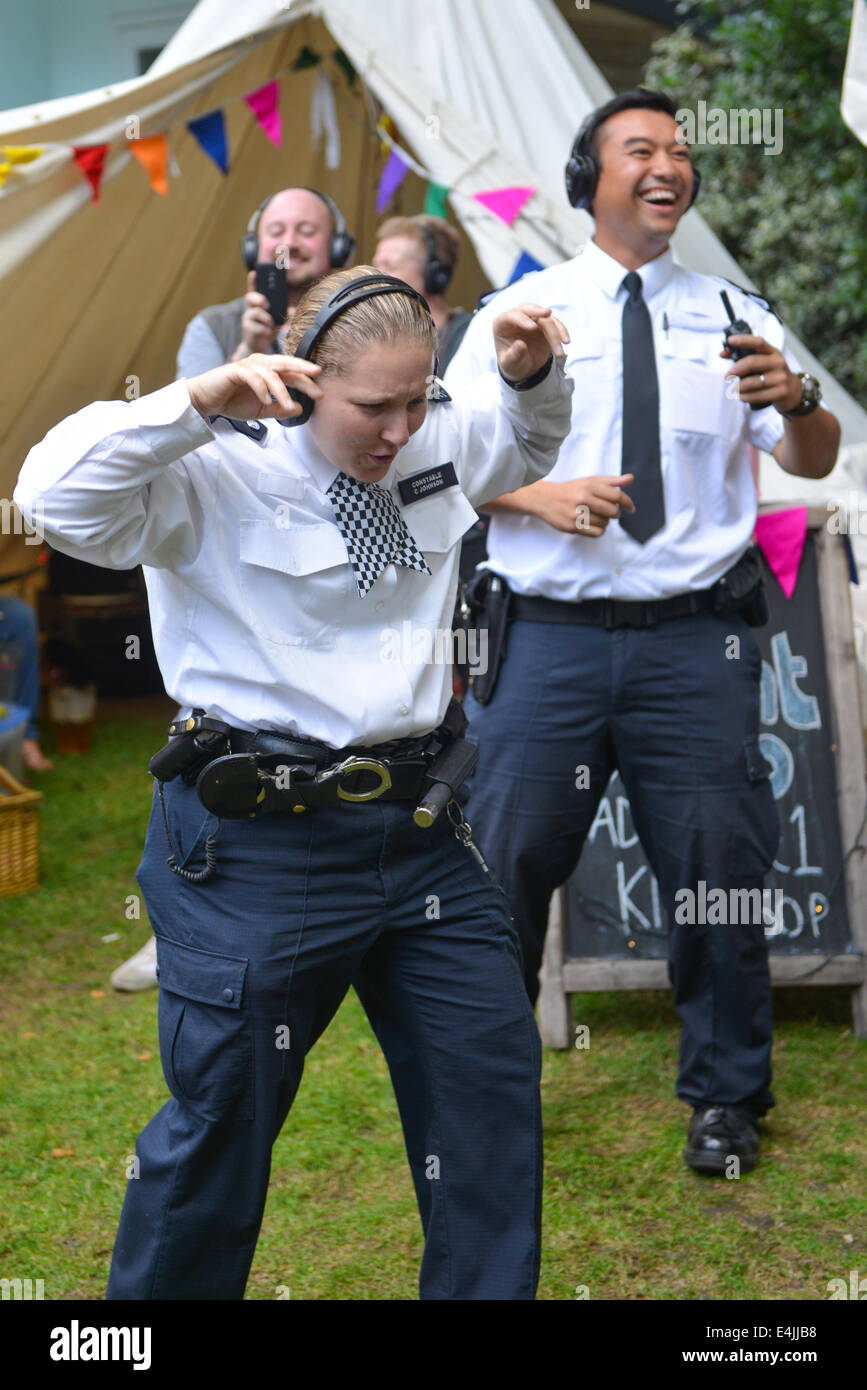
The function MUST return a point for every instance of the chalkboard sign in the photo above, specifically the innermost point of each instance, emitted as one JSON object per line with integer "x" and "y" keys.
{"x": 608, "y": 929}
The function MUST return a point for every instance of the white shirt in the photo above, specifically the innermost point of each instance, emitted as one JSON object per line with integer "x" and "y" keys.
{"x": 254, "y": 607}
{"x": 710, "y": 498}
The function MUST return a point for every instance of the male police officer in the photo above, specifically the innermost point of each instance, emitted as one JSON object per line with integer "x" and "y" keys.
{"x": 619, "y": 653}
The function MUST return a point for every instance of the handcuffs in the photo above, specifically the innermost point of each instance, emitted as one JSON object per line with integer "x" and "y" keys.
{"x": 265, "y": 780}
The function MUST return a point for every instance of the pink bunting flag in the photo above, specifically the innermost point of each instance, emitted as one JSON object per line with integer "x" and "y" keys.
{"x": 505, "y": 203}
{"x": 264, "y": 103}
{"x": 781, "y": 536}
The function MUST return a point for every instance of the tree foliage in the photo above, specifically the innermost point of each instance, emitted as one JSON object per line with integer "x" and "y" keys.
{"x": 796, "y": 221}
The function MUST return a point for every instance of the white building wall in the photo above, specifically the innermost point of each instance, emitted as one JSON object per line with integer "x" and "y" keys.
{"x": 55, "y": 48}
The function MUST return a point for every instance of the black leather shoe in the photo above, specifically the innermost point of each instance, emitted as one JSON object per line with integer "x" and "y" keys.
{"x": 719, "y": 1133}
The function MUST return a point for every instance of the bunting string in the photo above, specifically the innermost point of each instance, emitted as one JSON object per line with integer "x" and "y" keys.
{"x": 209, "y": 130}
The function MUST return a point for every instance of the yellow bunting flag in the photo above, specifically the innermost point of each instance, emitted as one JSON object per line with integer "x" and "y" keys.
{"x": 387, "y": 125}
{"x": 152, "y": 152}
{"x": 17, "y": 154}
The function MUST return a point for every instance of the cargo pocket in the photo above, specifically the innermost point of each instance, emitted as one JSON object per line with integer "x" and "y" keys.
{"x": 206, "y": 1041}
{"x": 756, "y": 826}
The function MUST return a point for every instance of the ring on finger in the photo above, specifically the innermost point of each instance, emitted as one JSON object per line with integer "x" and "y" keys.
{"x": 762, "y": 378}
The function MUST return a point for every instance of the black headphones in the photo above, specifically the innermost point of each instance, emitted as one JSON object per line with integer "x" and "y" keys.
{"x": 582, "y": 170}
{"x": 340, "y": 247}
{"x": 437, "y": 273}
{"x": 363, "y": 287}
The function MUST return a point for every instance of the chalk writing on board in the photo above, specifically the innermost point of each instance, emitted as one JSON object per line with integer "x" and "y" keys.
{"x": 613, "y": 902}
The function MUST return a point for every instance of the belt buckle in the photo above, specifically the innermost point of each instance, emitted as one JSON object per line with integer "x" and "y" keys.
{"x": 358, "y": 765}
{"x": 630, "y": 613}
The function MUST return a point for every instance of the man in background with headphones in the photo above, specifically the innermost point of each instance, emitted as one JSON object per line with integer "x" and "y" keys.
{"x": 299, "y": 229}
{"x": 631, "y": 589}
{"x": 424, "y": 252}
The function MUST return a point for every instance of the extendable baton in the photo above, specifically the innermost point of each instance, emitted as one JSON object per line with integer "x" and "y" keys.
{"x": 446, "y": 775}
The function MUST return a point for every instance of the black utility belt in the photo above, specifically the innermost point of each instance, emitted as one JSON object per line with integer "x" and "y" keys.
{"x": 609, "y": 612}
{"x": 240, "y": 775}
{"x": 489, "y": 604}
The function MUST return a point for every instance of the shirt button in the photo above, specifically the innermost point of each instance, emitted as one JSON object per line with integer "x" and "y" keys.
{"x": 618, "y": 570}
{"x": 404, "y": 709}
{"x": 228, "y": 995}
{"x": 379, "y": 607}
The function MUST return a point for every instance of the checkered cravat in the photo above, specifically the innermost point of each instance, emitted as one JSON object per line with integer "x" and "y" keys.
{"x": 373, "y": 529}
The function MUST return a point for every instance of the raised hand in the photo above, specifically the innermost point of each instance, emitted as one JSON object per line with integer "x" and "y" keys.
{"x": 255, "y": 388}
{"x": 525, "y": 337}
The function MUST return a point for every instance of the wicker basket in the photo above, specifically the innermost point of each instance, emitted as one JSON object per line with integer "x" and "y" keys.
{"x": 19, "y": 836}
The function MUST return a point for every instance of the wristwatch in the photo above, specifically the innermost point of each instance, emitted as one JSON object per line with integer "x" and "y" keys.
{"x": 811, "y": 395}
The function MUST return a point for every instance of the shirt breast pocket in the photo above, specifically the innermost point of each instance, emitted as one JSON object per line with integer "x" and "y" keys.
{"x": 694, "y": 397}
{"x": 295, "y": 580}
{"x": 438, "y": 523}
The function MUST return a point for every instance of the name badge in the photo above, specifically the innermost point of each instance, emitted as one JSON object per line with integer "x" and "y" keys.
{"x": 425, "y": 484}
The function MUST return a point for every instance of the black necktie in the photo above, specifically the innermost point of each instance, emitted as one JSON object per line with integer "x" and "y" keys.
{"x": 640, "y": 418}
{"x": 373, "y": 529}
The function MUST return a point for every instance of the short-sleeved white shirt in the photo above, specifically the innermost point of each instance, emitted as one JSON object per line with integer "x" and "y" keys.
{"x": 710, "y": 497}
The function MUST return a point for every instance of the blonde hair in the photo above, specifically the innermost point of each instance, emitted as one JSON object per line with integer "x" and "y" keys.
{"x": 385, "y": 318}
{"x": 447, "y": 243}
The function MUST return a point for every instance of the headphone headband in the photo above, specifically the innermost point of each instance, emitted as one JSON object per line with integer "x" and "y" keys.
{"x": 341, "y": 245}
{"x": 354, "y": 292}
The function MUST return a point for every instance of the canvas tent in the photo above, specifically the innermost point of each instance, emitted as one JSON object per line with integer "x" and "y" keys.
{"x": 484, "y": 95}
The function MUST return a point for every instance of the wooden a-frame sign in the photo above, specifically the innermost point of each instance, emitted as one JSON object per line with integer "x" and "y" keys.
{"x": 564, "y": 974}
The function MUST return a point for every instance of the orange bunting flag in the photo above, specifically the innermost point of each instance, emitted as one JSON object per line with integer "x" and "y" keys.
{"x": 91, "y": 160}
{"x": 152, "y": 152}
{"x": 10, "y": 155}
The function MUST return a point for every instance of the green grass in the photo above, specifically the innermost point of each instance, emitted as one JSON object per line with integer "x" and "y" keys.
{"x": 623, "y": 1215}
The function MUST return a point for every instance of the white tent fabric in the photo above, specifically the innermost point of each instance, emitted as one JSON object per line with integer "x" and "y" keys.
{"x": 484, "y": 95}
{"x": 854, "y": 102}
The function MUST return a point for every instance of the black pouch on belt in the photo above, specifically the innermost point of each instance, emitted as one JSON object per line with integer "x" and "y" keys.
{"x": 742, "y": 590}
{"x": 488, "y": 598}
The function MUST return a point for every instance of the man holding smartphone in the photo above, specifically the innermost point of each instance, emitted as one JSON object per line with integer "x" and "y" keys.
{"x": 299, "y": 231}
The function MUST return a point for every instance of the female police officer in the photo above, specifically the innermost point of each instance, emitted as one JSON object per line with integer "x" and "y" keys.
{"x": 277, "y": 560}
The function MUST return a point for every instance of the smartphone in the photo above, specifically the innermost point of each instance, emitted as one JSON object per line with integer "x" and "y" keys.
{"x": 271, "y": 281}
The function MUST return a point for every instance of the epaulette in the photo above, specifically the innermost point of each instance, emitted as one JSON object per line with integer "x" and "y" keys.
{"x": 491, "y": 294}
{"x": 754, "y": 294}
{"x": 253, "y": 429}
{"x": 436, "y": 391}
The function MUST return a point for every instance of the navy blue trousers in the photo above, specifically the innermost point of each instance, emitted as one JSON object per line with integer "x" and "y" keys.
{"x": 679, "y": 718}
{"x": 253, "y": 965}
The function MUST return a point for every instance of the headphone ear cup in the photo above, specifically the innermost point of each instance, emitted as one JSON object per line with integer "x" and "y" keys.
{"x": 341, "y": 249}
{"x": 436, "y": 277}
{"x": 250, "y": 249}
{"x": 306, "y": 404}
{"x": 582, "y": 176}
